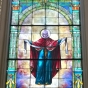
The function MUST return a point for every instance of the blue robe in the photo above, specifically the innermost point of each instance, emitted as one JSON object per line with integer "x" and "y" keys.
{"x": 44, "y": 68}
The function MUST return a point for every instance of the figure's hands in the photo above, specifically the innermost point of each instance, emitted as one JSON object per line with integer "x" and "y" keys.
{"x": 27, "y": 41}
{"x": 31, "y": 68}
{"x": 60, "y": 41}
{"x": 57, "y": 69}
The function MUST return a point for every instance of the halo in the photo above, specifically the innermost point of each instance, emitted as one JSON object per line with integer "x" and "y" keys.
{"x": 45, "y": 30}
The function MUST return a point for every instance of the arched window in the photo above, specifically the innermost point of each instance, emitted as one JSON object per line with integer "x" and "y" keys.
{"x": 45, "y": 48}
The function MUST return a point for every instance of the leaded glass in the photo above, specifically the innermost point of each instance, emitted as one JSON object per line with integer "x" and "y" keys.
{"x": 45, "y": 44}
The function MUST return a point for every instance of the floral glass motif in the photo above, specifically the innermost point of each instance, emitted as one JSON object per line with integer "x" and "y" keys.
{"x": 45, "y": 44}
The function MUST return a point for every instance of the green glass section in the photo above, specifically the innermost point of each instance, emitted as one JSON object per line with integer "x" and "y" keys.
{"x": 13, "y": 42}
{"x": 76, "y": 42}
{"x": 52, "y": 1}
{"x": 11, "y": 79}
{"x": 77, "y": 64}
{"x": 75, "y": 2}
{"x": 14, "y": 18}
{"x": 11, "y": 65}
{"x": 15, "y": 12}
{"x": 76, "y": 20}
{"x": 76, "y": 6}
{"x": 78, "y": 82}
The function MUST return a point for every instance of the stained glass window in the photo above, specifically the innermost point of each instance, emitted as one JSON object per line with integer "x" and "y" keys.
{"x": 45, "y": 44}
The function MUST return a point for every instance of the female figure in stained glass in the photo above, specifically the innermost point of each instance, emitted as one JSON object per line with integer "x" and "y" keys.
{"x": 45, "y": 57}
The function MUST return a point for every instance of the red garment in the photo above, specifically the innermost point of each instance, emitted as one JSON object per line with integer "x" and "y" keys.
{"x": 51, "y": 45}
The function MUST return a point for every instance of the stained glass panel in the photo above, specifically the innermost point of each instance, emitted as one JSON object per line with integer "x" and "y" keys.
{"x": 45, "y": 44}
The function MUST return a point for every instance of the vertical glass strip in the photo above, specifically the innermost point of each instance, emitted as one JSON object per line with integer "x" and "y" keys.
{"x": 15, "y": 12}
{"x": 76, "y": 6}
{"x": 76, "y": 42}
{"x": 13, "y": 42}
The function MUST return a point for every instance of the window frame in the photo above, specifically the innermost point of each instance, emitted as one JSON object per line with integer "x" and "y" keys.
{"x": 4, "y": 33}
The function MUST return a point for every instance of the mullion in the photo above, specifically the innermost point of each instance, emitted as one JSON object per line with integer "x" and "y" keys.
{"x": 45, "y": 47}
{"x": 58, "y": 38}
{"x": 46, "y": 25}
{"x": 43, "y": 59}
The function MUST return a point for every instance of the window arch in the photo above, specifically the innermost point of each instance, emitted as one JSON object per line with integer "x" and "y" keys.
{"x": 75, "y": 26}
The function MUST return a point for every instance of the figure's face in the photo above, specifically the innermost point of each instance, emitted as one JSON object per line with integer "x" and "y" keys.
{"x": 45, "y": 35}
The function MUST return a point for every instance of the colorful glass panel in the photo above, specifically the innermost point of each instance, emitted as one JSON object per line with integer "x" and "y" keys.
{"x": 45, "y": 44}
